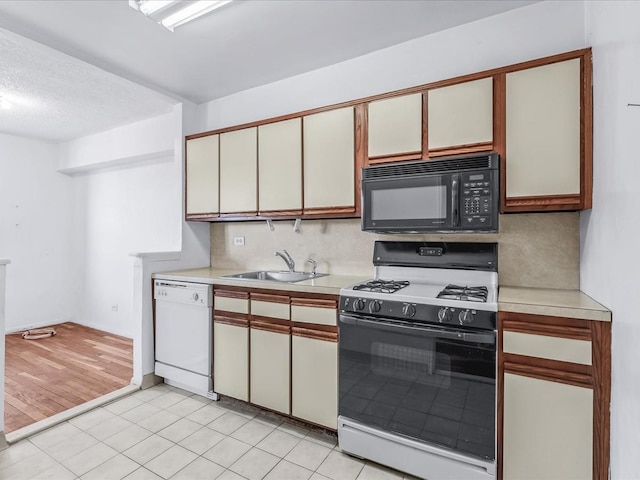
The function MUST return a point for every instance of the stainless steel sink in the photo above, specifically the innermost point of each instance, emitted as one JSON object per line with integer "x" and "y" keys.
{"x": 277, "y": 276}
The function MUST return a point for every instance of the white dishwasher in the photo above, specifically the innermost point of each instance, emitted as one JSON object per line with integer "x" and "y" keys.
{"x": 184, "y": 335}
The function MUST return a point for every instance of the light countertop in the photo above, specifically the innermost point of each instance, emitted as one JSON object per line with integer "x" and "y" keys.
{"x": 551, "y": 302}
{"x": 331, "y": 284}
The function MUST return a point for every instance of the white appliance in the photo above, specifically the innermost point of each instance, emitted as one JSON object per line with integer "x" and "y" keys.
{"x": 184, "y": 335}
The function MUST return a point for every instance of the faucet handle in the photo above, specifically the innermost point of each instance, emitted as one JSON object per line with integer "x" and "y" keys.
{"x": 314, "y": 265}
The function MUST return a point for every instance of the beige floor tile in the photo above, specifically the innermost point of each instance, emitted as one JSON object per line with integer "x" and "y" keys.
{"x": 322, "y": 438}
{"x": 114, "y": 469}
{"x": 200, "y": 469}
{"x": 160, "y": 420}
{"x": 202, "y": 440}
{"x": 55, "y": 472}
{"x": 206, "y": 414}
{"x": 308, "y": 454}
{"x": 123, "y": 405}
{"x": 92, "y": 418}
{"x": 227, "y": 451}
{"x": 228, "y": 423}
{"x": 185, "y": 407}
{"x": 339, "y": 466}
{"x": 109, "y": 428}
{"x": 55, "y": 435}
{"x": 255, "y": 464}
{"x": 317, "y": 476}
{"x": 252, "y": 432}
{"x": 373, "y": 471}
{"x": 140, "y": 412}
{"x": 179, "y": 430}
{"x": 148, "y": 448}
{"x": 170, "y": 462}
{"x": 289, "y": 471}
{"x": 17, "y": 452}
{"x": 127, "y": 438}
{"x": 297, "y": 430}
{"x": 142, "y": 474}
{"x": 278, "y": 443}
{"x": 229, "y": 475}
{"x": 28, "y": 467}
{"x": 168, "y": 399}
{"x": 89, "y": 459}
{"x": 149, "y": 394}
{"x": 70, "y": 446}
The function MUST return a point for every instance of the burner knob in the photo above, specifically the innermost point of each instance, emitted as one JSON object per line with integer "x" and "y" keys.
{"x": 374, "y": 306}
{"x": 444, "y": 315}
{"x": 358, "y": 304}
{"x": 408, "y": 310}
{"x": 465, "y": 316}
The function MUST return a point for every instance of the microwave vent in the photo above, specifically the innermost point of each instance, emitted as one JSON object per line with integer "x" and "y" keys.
{"x": 427, "y": 167}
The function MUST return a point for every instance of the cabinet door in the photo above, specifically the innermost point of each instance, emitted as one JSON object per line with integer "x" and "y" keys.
{"x": 314, "y": 380}
{"x": 270, "y": 375}
{"x": 548, "y": 430}
{"x": 239, "y": 171}
{"x": 395, "y": 126}
{"x": 202, "y": 171}
{"x": 329, "y": 156}
{"x": 231, "y": 360}
{"x": 543, "y": 130}
{"x": 280, "y": 165}
{"x": 461, "y": 114}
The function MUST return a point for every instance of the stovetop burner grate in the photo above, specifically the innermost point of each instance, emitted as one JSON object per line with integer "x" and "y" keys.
{"x": 382, "y": 286}
{"x": 471, "y": 294}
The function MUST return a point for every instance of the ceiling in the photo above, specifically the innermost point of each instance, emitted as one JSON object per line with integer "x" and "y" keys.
{"x": 74, "y": 67}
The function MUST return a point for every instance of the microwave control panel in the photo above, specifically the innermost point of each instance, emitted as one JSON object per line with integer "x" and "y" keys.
{"x": 477, "y": 200}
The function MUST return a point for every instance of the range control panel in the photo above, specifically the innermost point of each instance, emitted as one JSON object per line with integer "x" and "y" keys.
{"x": 478, "y": 199}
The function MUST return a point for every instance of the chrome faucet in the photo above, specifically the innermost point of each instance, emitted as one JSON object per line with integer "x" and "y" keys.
{"x": 287, "y": 259}
{"x": 314, "y": 265}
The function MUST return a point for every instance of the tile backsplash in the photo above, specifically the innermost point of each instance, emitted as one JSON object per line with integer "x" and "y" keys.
{"x": 535, "y": 249}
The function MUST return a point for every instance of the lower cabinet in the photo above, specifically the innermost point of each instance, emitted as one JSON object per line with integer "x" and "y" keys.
{"x": 555, "y": 381}
{"x": 314, "y": 380}
{"x": 230, "y": 360}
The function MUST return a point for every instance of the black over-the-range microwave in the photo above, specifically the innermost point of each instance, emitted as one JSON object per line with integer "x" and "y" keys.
{"x": 451, "y": 194}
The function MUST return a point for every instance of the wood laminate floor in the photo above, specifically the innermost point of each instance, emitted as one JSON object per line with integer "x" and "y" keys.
{"x": 47, "y": 376}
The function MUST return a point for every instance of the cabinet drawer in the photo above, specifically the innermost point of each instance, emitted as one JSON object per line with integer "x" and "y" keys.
{"x": 551, "y": 348}
{"x": 270, "y": 309}
{"x": 318, "y": 315}
{"x": 227, "y": 304}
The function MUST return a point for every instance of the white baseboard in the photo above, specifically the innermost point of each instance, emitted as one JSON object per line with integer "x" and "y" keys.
{"x": 42, "y": 324}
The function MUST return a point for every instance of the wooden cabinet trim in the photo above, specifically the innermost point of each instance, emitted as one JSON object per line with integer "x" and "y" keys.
{"x": 572, "y": 328}
{"x": 552, "y": 370}
{"x": 395, "y": 158}
{"x": 229, "y": 318}
{"x": 601, "y": 371}
{"x": 270, "y": 324}
{"x": 542, "y": 202}
{"x": 269, "y": 297}
{"x": 315, "y": 332}
{"x": 231, "y": 293}
{"x": 461, "y": 149}
{"x": 315, "y": 302}
{"x": 279, "y": 213}
{"x": 330, "y": 210}
{"x": 586, "y": 130}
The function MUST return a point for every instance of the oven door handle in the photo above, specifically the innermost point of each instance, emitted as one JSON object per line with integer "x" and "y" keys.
{"x": 488, "y": 338}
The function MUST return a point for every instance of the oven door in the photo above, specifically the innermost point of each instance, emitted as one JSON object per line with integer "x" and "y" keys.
{"x": 433, "y": 384}
{"x": 411, "y": 203}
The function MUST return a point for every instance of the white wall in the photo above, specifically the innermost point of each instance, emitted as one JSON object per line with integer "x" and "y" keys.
{"x": 532, "y": 32}
{"x": 35, "y": 233}
{"x": 609, "y": 233}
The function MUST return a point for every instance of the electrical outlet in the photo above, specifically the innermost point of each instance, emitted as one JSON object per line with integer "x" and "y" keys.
{"x": 114, "y": 308}
{"x": 239, "y": 241}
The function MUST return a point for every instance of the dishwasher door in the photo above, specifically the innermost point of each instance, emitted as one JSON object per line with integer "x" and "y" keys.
{"x": 184, "y": 334}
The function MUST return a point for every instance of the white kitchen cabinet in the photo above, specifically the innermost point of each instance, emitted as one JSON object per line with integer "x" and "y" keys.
{"x": 270, "y": 372}
{"x": 460, "y": 114}
{"x": 280, "y": 166}
{"x": 543, "y": 136}
{"x": 239, "y": 171}
{"x": 202, "y": 176}
{"x": 231, "y": 360}
{"x": 395, "y": 126}
{"x": 329, "y": 159}
{"x": 314, "y": 380}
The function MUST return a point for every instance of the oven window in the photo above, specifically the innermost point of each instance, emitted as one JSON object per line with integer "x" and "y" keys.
{"x": 408, "y": 203}
{"x": 440, "y": 391}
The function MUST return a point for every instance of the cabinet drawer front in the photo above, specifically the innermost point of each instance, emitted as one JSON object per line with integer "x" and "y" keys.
{"x": 395, "y": 125}
{"x": 269, "y": 309}
{"x": 226, "y": 304}
{"x": 551, "y": 348}
{"x": 321, "y": 316}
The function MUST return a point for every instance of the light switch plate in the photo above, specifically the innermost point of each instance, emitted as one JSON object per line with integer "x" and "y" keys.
{"x": 238, "y": 241}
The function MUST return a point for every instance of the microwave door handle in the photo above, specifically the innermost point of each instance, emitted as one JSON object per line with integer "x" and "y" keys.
{"x": 455, "y": 214}
{"x": 483, "y": 338}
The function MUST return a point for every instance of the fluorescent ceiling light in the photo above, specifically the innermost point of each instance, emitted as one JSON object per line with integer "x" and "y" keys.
{"x": 5, "y": 104}
{"x": 173, "y": 13}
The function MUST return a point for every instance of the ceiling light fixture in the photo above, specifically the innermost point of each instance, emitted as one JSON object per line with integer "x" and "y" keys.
{"x": 173, "y": 13}
{"x": 5, "y": 104}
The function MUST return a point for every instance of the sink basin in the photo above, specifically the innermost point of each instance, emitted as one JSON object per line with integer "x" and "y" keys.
{"x": 277, "y": 276}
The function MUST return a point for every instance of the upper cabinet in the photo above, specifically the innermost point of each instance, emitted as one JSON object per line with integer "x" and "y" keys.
{"x": 202, "y": 174}
{"x": 239, "y": 171}
{"x": 280, "y": 166}
{"x": 460, "y": 115}
{"x": 395, "y": 127}
{"x": 548, "y": 118}
{"x": 329, "y": 155}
